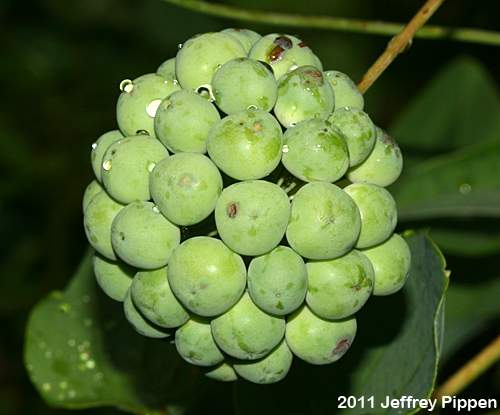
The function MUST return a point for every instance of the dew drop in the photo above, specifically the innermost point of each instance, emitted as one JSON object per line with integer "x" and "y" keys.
{"x": 153, "y": 107}
{"x": 175, "y": 82}
{"x": 285, "y": 148}
{"x": 94, "y": 146}
{"x": 292, "y": 68}
{"x": 106, "y": 165}
{"x": 155, "y": 209}
{"x": 126, "y": 86}
{"x": 150, "y": 166}
{"x": 465, "y": 188}
{"x": 179, "y": 46}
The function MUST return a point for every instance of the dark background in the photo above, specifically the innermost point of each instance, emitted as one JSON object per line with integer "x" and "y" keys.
{"x": 60, "y": 66}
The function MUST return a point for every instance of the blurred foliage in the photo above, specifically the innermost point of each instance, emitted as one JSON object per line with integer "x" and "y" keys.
{"x": 62, "y": 63}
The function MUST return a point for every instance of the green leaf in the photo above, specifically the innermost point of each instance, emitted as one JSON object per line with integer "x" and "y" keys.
{"x": 396, "y": 351}
{"x": 80, "y": 352}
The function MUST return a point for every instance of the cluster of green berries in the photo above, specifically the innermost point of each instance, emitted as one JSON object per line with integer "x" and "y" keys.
{"x": 240, "y": 208}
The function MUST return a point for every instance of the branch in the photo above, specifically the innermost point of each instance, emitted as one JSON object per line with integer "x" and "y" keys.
{"x": 471, "y": 370}
{"x": 460, "y": 34}
{"x": 398, "y": 44}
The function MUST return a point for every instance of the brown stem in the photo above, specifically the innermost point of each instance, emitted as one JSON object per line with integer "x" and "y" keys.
{"x": 398, "y": 44}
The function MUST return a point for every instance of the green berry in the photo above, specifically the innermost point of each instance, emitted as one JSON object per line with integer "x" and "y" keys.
{"x": 302, "y": 94}
{"x": 324, "y": 221}
{"x": 246, "y": 37}
{"x": 315, "y": 151}
{"x": 206, "y": 276}
{"x": 346, "y": 92}
{"x": 114, "y": 277}
{"x": 153, "y": 297}
{"x": 246, "y": 332}
{"x": 199, "y": 58}
{"x": 383, "y": 166}
{"x": 186, "y": 187}
{"x": 100, "y": 147}
{"x": 391, "y": 261}
{"x": 97, "y": 220}
{"x": 183, "y": 121}
{"x": 339, "y": 287}
{"x": 242, "y": 83}
{"x": 167, "y": 69}
{"x": 358, "y": 130}
{"x": 252, "y": 216}
{"x": 378, "y": 212}
{"x": 270, "y": 369}
{"x": 143, "y": 237}
{"x": 139, "y": 100}
{"x": 138, "y": 322}
{"x": 246, "y": 145}
{"x": 316, "y": 340}
{"x": 277, "y": 281}
{"x": 223, "y": 373}
{"x": 126, "y": 166}
{"x": 91, "y": 190}
{"x": 283, "y": 53}
{"x": 195, "y": 343}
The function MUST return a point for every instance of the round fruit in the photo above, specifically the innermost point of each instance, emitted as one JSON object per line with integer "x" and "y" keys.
{"x": 246, "y": 145}
{"x": 153, "y": 297}
{"x": 113, "y": 277}
{"x": 183, "y": 121}
{"x": 97, "y": 220}
{"x": 339, "y": 287}
{"x": 358, "y": 130}
{"x": 199, "y": 58}
{"x": 143, "y": 237}
{"x": 186, "y": 187}
{"x": 324, "y": 221}
{"x": 206, "y": 276}
{"x": 383, "y": 166}
{"x": 167, "y": 69}
{"x": 345, "y": 90}
{"x": 91, "y": 190}
{"x": 195, "y": 343}
{"x": 302, "y": 94}
{"x": 223, "y": 373}
{"x": 100, "y": 147}
{"x": 252, "y": 216}
{"x": 246, "y": 332}
{"x": 378, "y": 212}
{"x": 139, "y": 100}
{"x": 391, "y": 261}
{"x": 316, "y": 340}
{"x": 315, "y": 151}
{"x": 270, "y": 369}
{"x": 277, "y": 281}
{"x": 126, "y": 166}
{"x": 246, "y": 37}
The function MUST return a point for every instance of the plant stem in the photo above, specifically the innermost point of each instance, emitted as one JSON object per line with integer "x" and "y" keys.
{"x": 460, "y": 34}
{"x": 398, "y": 44}
{"x": 471, "y": 370}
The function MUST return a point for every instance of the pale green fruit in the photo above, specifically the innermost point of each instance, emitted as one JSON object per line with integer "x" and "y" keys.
{"x": 246, "y": 145}
{"x": 391, "y": 261}
{"x": 167, "y": 69}
{"x": 143, "y": 237}
{"x": 138, "y": 322}
{"x": 183, "y": 121}
{"x": 139, "y": 100}
{"x": 206, "y": 276}
{"x": 126, "y": 166}
{"x": 339, "y": 287}
{"x": 277, "y": 281}
{"x": 302, "y": 94}
{"x": 383, "y": 166}
{"x": 97, "y": 220}
{"x": 223, "y": 373}
{"x": 195, "y": 343}
{"x": 242, "y": 83}
{"x": 199, "y": 58}
{"x": 246, "y": 332}
{"x": 91, "y": 190}
{"x": 324, "y": 221}
{"x": 100, "y": 147}
{"x": 114, "y": 277}
{"x": 270, "y": 369}
{"x": 252, "y": 216}
{"x": 358, "y": 130}
{"x": 346, "y": 92}
{"x": 283, "y": 53}
{"x": 378, "y": 211}
{"x": 315, "y": 151}
{"x": 246, "y": 37}
{"x": 154, "y": 299}
{"x": 316, "y": 340}
{"x": 186, "y": 187}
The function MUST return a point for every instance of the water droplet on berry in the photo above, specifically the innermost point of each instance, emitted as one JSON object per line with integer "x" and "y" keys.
{"x": 153, "y": 107}
{"x": 285, "y": 148}
{"x": 94, "y": 146}
{"x": 155, "y": 209}
{"x": 126, "y": 86}
{"x": 150, "y": 166}
{"x": 179, "y": 46}
{"x": 106, "y": 165}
